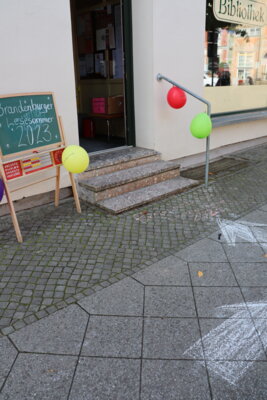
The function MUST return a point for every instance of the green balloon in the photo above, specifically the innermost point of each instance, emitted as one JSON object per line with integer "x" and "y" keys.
{"x": 201, "y": 126}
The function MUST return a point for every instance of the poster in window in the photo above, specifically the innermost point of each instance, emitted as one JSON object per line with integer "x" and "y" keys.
{"x": 101, "y": 39}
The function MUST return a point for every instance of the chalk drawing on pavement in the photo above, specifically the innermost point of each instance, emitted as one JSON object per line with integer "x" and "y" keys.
{"x": 234, "y": 339}
{"x": 232, "y": 230}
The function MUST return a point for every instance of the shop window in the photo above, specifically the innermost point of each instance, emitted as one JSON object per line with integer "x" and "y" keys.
{"x": 245, "y": 60}
{"x": 235, "y": 55}
{"x": 254, "y": 32}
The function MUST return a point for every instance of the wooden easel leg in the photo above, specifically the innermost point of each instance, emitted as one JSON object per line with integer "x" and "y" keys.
{"x": 13, "y": 215}
{"x": 57, "y": 187}
{"x": 75, "y": 193}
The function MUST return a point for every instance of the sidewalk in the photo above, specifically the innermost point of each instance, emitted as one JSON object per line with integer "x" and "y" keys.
{"x": 165, "y": 302}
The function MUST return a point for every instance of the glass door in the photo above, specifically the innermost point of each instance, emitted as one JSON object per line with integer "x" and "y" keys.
{"x": 99, "y": 64}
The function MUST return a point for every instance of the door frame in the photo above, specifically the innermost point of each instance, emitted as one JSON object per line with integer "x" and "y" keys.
{"x": 128, "y": 72}
{"x": 128, "y": 66}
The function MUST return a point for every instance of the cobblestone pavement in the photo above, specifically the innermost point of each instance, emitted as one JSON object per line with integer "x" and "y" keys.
{"x": 67, "y": 256}
{"x": 191, "y": 326}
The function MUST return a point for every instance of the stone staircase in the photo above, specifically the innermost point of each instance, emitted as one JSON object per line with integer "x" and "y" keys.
{"x": 126, "y": 178}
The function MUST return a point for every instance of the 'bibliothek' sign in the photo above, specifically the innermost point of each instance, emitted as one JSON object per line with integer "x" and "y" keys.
{"x": 242, "y": 12}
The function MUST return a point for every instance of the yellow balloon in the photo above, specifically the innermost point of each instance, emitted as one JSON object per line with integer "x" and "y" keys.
{"x": 75, "y": 159}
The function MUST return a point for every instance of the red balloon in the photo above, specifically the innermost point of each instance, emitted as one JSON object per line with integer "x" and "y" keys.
{"x": 176, "y": 97}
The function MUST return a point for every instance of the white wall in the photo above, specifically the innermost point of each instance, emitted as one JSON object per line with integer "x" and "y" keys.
{"x": 169, "y": 39}
{"x": 179, "y": 36}
{"x": 37, "y": 56}
{"x": 143, "y": 58}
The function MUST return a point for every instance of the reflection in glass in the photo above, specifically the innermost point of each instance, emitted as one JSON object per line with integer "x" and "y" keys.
{"x": 234, "y": 54}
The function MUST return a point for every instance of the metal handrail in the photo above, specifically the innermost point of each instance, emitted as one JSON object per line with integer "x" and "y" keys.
{"x": 159, "y": 78}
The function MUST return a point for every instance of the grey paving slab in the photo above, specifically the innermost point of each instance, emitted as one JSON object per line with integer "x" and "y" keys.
{"x": 238, "y": 380}
{"x": 264, "y": 208}
{"x": 205, "y": 250}
{"x": 8, "y": 354}
{"x": 106, "y": 379}
{"x": 212, "y": 274}
{"x": 264, "y": 248}
{"x": 172, "y": 380}
{"x": 255, "y": 217}
{"x": 220, "y": 302}
{"x": 231, "y": 340}
{"x": 169, "y": 271}
{"x": 42, "y": 377}
{"x": 250, "y": 273}
{"x": 261, "y": 326}
{"x": 246, "y": 252}
{"x": 260, "y": 233}
{"x": 60, "y": 333}
{"x": 168, "y": 338}
{"x": 113, "y": 337}
{"x": 169, "y": 302}
{"x": 123, "y": 298}
{"x": 220, "y": 236}
{"x": 256, "y": 299}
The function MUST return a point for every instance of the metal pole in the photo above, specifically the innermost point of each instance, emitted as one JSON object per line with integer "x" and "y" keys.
{"x": 207, "y": 152}
{"x": 159, "y": 77}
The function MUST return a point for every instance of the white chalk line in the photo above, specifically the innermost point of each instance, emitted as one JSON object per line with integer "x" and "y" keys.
{"x": 231, "y": 230}
{"x": 234, "y": 339}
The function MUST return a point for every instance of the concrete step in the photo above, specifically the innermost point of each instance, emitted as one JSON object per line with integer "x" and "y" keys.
{"x": 110, "y": 185}
{"x": 146, "y": 195}
{"x": 117, "y": 160}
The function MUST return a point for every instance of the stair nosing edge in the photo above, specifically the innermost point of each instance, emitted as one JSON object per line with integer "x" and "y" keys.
{"x": 148, "y": 201}
{"x": 134, "y": 179}
{"x": 122, "y": 162}
{"x": 174, "y": 191}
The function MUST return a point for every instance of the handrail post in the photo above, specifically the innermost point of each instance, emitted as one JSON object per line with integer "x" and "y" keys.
{"x": 160, "y": 77}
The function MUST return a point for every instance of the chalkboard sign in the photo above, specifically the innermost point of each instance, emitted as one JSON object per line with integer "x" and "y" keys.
{"x": 27, "y": 122}
{"x": 31, "y": 140}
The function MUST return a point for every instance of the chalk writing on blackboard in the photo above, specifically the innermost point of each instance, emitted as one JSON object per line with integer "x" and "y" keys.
{"x": 27, "y": 122}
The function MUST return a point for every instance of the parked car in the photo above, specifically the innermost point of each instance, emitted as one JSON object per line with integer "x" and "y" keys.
{"x": 207, "y": 80}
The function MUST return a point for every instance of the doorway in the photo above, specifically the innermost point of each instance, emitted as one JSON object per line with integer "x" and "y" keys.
{"x": 100, "y": 65}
